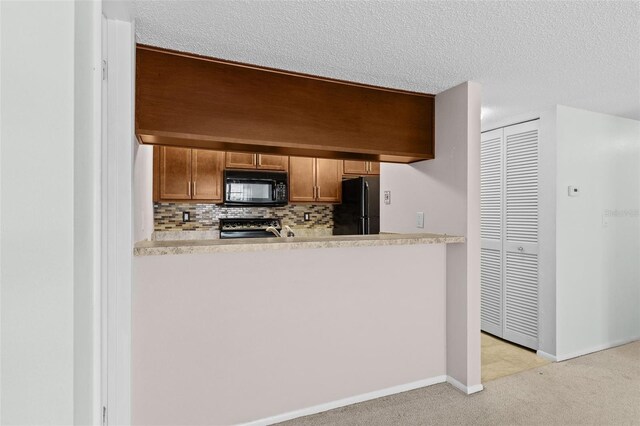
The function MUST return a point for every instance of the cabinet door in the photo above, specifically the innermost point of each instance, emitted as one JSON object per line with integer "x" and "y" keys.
{"x": 240, "y": 160}
{"x": 301, "y": 179}
{"x": 273, "y": 162}
{"x": 328, "y": 180}
{"x": 355, "y": 167}
{"x": 175, "y": 173}
{"x": 207, "y": 167}
{"x": 374, "y": 168}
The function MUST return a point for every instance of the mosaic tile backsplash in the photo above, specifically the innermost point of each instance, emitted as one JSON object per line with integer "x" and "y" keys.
{"x": 168, "y": 216}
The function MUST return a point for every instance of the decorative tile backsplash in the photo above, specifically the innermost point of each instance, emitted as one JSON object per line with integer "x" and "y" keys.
{"x": 168, "y": 216}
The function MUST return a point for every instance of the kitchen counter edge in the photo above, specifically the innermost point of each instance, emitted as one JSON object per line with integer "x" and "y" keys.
{"x": 161, "y": 248}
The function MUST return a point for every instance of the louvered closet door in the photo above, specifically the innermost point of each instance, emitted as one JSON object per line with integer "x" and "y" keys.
{"x": 491, "y": 145}
{"x": 520, "y": 298}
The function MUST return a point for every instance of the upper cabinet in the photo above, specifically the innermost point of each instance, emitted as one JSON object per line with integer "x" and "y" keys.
{"x": 241, "y": 160}
{"x": 206, "y": 175}
{"x": 272, "y": 162}
{"x": 316, "y": 180}
{"x": 175, "y": 173}
{"x": 182, "y": 174}
{"x": 361, "y": 167}
{"x": 199, "y": 102}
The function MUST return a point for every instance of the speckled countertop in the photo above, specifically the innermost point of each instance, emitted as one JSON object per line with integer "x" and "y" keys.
{"x": 158, "y": 248}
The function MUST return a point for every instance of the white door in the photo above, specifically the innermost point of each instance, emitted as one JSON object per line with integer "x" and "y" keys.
{"x": 491, "y": 182}
{"x": 521, "y": 234}
{"x": 509, "y": 233}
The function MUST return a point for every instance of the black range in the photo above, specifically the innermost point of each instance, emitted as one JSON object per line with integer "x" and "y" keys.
{"x": 248, "y": 227}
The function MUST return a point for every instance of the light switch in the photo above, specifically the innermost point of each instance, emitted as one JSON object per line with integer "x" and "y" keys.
{"x": 420, "y": 219}
{"x": 387, "y": 197}
{"x": 574, "y": 191}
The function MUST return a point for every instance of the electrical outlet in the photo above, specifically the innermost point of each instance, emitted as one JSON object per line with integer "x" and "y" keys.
{"x": 387, "y": 197}
{"x": 307, "y": 216}
{"x": 420, "y": 219}
{"x": 186, "y": 216}
{"x": 574, "y": 191}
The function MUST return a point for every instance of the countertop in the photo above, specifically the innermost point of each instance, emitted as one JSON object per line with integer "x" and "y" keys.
{"x": 159, "y": 248}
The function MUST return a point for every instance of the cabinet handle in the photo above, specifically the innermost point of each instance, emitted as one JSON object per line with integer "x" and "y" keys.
{"x": 318, "y": 194}
{"x": 194, "y": 188}
{"x": 368, "y": 166}
{"x": 189, "y": 189}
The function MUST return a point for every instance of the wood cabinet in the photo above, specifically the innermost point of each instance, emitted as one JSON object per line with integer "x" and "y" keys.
{"x": 315, "y": 180}
{"x": 206, "y": 174}
{"x": 202, "y": 102}
{"x": 175, "y": 173}
{"x": 241, "y": 160}
{"x": 183, "y": 174}
{"x": 272, "y": 162}
{"x": 361, "y": 167}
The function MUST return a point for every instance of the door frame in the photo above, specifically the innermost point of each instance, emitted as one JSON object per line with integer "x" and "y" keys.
{"x": 116, "y": 222}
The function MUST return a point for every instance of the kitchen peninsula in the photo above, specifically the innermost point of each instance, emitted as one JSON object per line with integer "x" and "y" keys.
{"x": 264, "y": 330}
{"x": 261, "y": 327}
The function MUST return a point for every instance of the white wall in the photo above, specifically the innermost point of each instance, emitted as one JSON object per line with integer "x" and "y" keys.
{"x": 253, "y": 335}
{"x": 50, "y": 189}
{"x": 37, "y": 244}
{"x": 447, "y": 190}
{"x": 547, "y": 166}
{"x": 598, "y": 232}
{"x": 87, "y": 122}
{"x": 142, "y": 191}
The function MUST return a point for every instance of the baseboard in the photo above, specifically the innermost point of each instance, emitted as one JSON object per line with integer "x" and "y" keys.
{"x": 464, "y": 388}
{"x": 347, "y": 401}
{"x": 597, "y": 348}
{"x": 545, "y": 355}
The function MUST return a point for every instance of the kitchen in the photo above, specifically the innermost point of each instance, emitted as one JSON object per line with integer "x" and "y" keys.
{"x": 245, "y": 186}
{"x": 374, "y": 123}
{"x": 346, "y": 291}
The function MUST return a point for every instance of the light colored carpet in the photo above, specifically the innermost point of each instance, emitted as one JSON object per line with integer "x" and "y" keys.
{"x": 500, "y": 358}
{"x": 597, "y": 389}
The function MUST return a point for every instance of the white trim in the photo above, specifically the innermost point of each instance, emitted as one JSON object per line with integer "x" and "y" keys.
{"x": 347, "y": 401}
{"x": 117, "y": 220}
{"x": 0, "y": 213}
{"x": 468, "y": 390}
{"x": 489, "y": 125}
{"x": 596, "y": 348}
{"x": 97, "y": 214}
{"x": 547, "y": 356}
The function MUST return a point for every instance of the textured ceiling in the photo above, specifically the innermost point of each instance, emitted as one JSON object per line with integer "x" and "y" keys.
{"x": 528, "y": 55}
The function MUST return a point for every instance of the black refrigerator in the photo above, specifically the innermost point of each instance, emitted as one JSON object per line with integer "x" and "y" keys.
{"x": 359, "y": 213}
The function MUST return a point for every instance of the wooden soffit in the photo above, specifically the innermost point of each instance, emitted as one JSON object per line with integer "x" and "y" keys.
{"x": 200, "y": 102}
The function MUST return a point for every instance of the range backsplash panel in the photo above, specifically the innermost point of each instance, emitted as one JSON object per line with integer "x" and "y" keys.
{"x": 168, "y": 216}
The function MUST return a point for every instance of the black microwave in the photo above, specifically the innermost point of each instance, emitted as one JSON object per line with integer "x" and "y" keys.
{"x": 255, "y": 188}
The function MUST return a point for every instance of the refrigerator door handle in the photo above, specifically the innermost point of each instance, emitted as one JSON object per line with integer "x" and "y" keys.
{"x": 366, "y": 199}
{"x": 366, "y": 229}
